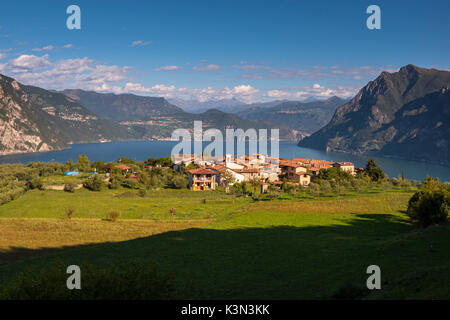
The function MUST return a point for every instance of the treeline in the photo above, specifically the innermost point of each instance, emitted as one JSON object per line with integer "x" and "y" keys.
{"x": 16, "y": 179}
{"x": 143, "y": 175}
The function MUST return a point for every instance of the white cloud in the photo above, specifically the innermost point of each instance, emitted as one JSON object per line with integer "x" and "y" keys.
{"x": 315, "y": 90}
{"x": 2, "y": 56}
{"x": 140, "y": 43}
{"x": 209, "y": 67}
{"x": 68, "y": 46}
{"x": 46, "y": 48}
{"x": 29, "y": 63}
{"x": 241, "y": 92}
{"x": 168, "y": 68}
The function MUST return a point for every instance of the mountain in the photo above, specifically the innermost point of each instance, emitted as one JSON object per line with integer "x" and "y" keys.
{"x": 405, "y": 114}
{"x": 122, "y": 107}
{"x": 306, "y": 117}
{"x": 196, "y": 106}
{"x": 156, "y": 118}
{"x": 163, "y": 126}
{"x": 33, "y": 119}
{"x": 225, "y": 105}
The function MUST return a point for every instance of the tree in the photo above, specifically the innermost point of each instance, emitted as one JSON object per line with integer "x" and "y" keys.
{"x": 374, "y": 171}
{"x": 69, "y": 165}
{"x": 83, "y": 163}
{"x": 431, "y": 205}
{"x": 227, "y": 179}
{"x": 94, "y": 183}
{"x": 255, "y": 182}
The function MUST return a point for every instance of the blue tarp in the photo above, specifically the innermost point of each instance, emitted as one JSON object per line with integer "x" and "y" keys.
{"x": 71, "y": 173}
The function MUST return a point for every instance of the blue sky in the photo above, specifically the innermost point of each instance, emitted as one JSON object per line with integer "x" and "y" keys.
{"x": 249, "y": 50}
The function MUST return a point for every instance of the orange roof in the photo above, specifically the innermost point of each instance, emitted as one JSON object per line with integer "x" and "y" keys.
{"x": 122, "y": 167}
{"x": 202, "y": 171}
{"x": 289, "y": 163}
{"x": 219, "y": 167}
{"x": 246, "y": 170}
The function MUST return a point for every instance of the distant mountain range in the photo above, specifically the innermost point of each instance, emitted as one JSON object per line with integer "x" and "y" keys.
{"x": 156, "y": 118}
{"x": 33, "y": 119}
{"x": 306, "y": 117}
{"x": 405, "y": 114}
{"x": 122, "y": 107}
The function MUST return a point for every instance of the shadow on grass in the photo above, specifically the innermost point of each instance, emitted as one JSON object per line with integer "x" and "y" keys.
{"x": 277, "y": 262}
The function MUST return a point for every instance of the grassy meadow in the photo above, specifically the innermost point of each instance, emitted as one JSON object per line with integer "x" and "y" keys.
{"x": 232, "y": 247}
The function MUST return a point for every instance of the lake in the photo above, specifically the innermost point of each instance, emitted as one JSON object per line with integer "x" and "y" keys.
{"x": 142, "y": 150}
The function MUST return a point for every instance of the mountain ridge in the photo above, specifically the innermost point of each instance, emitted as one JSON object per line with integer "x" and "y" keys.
{"x": 373, "y": 122}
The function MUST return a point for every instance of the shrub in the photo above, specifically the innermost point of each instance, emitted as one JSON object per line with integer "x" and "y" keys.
{"x": 358, "y": 184}
{"x": 70, "y": 187}
{"x": 180, "y": 181}
{"x": 113, "y": 215}
{"x": 172, "y": 212}
{"x": 325, "y": 186}
{"x": 114, "y": 183}
{"x": 142, "y": 193}
{"x": 314, "y": 189}
{"x": 94, "y": 183}
{"x": 69, "y": 213}
{"x": 429, "y": 206}
{"x": 36, "y": 183}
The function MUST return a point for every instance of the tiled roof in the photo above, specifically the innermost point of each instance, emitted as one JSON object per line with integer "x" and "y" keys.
{"x": 122, "y": 167}
{"x": 202, "y": 171}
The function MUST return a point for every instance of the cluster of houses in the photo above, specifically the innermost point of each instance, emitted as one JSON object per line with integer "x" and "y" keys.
{"x": 299, "y": 171}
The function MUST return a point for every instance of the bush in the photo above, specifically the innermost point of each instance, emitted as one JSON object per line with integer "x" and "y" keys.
{"x": 180, "y": 181}
{"x": 429, "y": 206}
{"x": 113, "y": 215}
{"x": 114, "y": 183}
{"x": 314, "y": 189}
{"x": 36, "y": 183}
{"x": 142, "y": 193}
{"x": 70, "y": 187}
{"x": 69, "y": 213}
{"x": 94, "y": 183}
{"x": 118, "y": 281}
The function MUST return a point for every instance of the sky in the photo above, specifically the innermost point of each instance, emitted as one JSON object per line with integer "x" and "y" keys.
{"x": 213, "y": 50}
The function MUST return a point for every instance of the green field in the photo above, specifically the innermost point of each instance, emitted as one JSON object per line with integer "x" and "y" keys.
{"x": 232, "y": 247}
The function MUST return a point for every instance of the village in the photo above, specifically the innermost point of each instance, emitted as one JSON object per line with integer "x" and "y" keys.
{"x": 206, "y": 173}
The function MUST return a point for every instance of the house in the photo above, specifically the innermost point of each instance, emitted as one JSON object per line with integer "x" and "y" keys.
{"x": 289, "y": 169}
{"x": 125, "y": 169}
{"x": 345, "y": 166}
{"x": 303, "y": 178}
{"x": 248, "y": 173}
{"x": 238, "y": 177}
{"x": 202, "y": 179}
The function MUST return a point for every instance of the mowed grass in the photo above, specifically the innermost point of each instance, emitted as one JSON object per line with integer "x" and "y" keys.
{"x": 23, "y": 238}
{"x": 97, "y": 205}
{"x": 279, "y": 249}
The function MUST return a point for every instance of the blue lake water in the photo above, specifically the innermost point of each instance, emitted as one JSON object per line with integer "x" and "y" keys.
{"x": 142, "y": 150}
